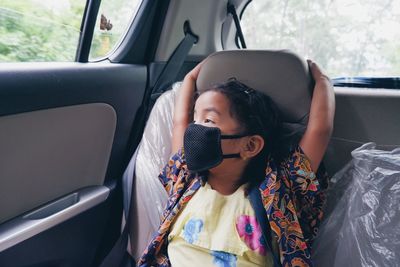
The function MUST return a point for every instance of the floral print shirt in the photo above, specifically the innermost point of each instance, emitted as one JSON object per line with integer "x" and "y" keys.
{"x": 293, "y": 197}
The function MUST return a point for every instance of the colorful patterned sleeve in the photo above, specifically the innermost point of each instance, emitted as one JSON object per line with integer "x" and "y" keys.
{"x": 170, "y": 173}
{"x": 308, "y": 191}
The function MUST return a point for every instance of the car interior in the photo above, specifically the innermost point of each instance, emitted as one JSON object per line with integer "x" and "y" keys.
{"x": 82, "y": 143}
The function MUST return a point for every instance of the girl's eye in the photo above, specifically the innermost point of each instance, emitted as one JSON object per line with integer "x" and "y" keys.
{"x": 208, "y": 120}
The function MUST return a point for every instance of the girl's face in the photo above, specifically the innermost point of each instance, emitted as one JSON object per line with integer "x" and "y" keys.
{"x": 212, "y": 109}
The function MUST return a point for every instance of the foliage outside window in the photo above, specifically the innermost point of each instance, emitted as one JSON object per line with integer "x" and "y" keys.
{"x": 40, "y": 30}
{"x": 346, "y": 37}
{"x": 113, "y": 20}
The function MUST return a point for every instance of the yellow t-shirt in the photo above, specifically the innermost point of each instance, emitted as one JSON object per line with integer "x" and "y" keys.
{"x": 218, "y": 230}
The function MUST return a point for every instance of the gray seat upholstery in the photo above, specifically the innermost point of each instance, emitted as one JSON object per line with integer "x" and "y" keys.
{"x": 282, "y": 75}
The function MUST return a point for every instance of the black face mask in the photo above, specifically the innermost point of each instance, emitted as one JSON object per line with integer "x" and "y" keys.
{"x": 202, "y": 146}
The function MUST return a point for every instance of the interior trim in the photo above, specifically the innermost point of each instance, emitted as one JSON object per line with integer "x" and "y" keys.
{"x": 362, "y": 115}
{"x": 48, "y": 153}
{"x": 29, "y": 225}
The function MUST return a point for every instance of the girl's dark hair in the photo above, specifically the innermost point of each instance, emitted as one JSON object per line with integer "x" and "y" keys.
{"x": 258, "y": 115}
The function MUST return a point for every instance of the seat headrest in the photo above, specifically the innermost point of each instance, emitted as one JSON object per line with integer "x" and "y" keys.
{"x": 282, "y": 75}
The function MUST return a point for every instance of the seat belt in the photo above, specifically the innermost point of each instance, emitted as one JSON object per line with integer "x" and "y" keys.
{"x": 261, "y": 215}
{"x": 166, "y": 77}
{"x": 175, "y": 62}
{"x": 118, "y": 256}
{"x": 232, "y": 10}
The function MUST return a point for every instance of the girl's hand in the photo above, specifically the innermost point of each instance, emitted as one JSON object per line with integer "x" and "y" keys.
{"x": 194, "y": 73}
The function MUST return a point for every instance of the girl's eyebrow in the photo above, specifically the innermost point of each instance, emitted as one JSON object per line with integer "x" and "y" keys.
{"x": 209, "y": 110}
{"x": 212, "y": 109}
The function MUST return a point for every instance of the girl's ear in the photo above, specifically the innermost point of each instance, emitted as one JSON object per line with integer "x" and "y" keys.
{"x": 252, "y": 147}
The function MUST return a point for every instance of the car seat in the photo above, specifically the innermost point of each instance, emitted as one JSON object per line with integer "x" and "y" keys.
{"x": 282, "y": 75}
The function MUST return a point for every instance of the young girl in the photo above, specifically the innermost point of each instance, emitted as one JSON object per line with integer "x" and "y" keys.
{"x": 224, "y": 149}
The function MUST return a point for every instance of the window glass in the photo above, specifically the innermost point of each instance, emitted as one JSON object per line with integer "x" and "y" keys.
{"x": 346, "y": 37}
{"x": 113, "y": 20}
{"x": 40, "y": 30}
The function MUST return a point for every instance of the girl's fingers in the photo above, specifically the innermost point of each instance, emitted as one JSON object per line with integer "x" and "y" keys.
{"x": 194, "y": 73}
{"x": 316, "y": 71}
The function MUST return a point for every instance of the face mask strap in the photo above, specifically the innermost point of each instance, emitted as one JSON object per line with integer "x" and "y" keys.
{"x": 233, "y": 136}
{"x": 230, "y": 156}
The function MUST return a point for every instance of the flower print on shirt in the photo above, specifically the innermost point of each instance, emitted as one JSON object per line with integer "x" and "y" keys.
{"x": 250, "y": 232}
{"x": 191, "y": 230}
{"x": 306, "y": 181}
{"x": 224, "y": 259}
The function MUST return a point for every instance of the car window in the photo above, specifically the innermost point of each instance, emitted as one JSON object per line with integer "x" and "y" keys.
{"x": 346, "y": 37}
{"x": 40, "y": 30}
{"x": 113, "y": 20}
{"x": 48, "y": 30}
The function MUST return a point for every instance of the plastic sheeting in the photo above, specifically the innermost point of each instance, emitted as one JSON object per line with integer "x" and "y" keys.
{"x": 152, "y": 154}
{"x": 362, "y": 225}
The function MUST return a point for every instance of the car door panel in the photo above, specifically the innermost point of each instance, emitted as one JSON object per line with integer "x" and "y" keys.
{"x": 65, "y": 133}
{"x": 48, "y": 153}
{"x": 29, "y": 87}
{"x": 73, "y": 242}
{"x": 50, "y": 215}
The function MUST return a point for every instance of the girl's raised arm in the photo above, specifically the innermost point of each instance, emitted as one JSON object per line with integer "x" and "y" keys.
{"x": 184, "y": 103}
{"x": 320, "y": 124}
